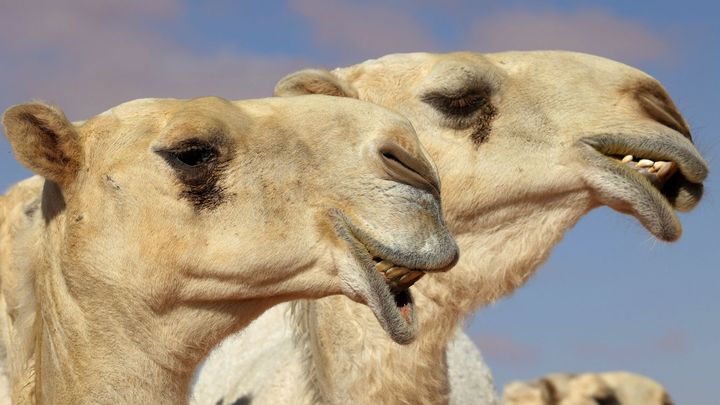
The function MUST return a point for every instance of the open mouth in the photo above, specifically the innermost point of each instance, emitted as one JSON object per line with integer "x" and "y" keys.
{"x": 398, "y": 280}
{"x": 381, "y": 277}
{"x": 387, "y": 293}
{"x": 657, "y": 172}
{"x": 649, "y": 177}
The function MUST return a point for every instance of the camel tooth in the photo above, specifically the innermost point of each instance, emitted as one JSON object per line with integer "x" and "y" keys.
{"x": 396, "y": 272}
{"x": 383, "y": 266}
{"x": 645, "y": 163}
{"x": 627, "y": 158}
{"x": 657, "y": 165}
{"x": 410, "y": 278}
{"x": 667, "y": 170}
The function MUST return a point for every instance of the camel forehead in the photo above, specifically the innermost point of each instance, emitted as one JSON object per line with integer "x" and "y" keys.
{"x": 523, "y": 65}
{"x": 566, "y": 64}
{"x": 306, "y": 114}
{"x": 159, "y": 108}
{"x": 136, "y": 123}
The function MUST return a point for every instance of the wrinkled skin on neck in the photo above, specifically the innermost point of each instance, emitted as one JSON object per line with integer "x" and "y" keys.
{"x": 526, "y": 144}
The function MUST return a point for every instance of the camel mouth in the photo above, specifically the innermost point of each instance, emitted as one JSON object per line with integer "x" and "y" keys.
{"x": 380, "y": 278}
{"x": 649, "y": 177}
{"x": 398, "y": 280}
{"x": 388, "y": 294}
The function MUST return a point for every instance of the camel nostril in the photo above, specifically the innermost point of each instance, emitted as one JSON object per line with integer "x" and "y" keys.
{"x": 406, "y": 168}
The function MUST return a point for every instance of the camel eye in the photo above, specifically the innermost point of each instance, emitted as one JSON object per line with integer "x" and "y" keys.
{"x": 456, "y": 105}
{"x": 191, "y": 154}
{"x": 607, "y": 400}
{"x": 196, "y": 155}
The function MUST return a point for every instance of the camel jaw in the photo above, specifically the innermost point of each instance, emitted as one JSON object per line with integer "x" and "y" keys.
{"x": 649, "y": 177}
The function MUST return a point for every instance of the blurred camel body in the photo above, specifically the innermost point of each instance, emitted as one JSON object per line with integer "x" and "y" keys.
{"x": 162, "y": 226}
{"x": 612, "y": 388}
{"x": 526, "y": 143}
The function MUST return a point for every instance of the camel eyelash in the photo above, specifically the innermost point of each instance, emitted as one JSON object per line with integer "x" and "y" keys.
{"x": 191, "y": 154}
{"x": 456, "y": 105}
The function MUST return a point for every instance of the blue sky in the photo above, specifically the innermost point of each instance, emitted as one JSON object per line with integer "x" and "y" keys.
{"x": 609, "y": 298}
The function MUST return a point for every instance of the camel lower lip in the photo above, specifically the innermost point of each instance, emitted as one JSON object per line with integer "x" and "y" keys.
{"x": 394, "y": 311}
{"x": 630, "y": 189}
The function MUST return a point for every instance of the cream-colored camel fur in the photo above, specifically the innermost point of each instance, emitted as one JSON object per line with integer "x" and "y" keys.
{"x": 162, "y": 226}
{"x": 526, "y": 143}
{"x": 613, "y": 388}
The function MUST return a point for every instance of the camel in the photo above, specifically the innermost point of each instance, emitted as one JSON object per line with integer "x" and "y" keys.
{"x": 611, "y": 388}
{"x": 161, "y": 226}
{"x": 526, "y": 143}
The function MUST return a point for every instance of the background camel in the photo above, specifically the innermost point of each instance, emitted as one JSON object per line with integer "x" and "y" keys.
{"x": 526, "y": 144}
{"x": 613, "y": 388}
{"x": 161, "y": 226}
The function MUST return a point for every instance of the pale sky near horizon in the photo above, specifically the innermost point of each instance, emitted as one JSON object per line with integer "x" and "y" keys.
{"x": 609, "y": 298}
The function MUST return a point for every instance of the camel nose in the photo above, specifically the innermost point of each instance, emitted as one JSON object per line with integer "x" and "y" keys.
{"x": 408, "y": 168}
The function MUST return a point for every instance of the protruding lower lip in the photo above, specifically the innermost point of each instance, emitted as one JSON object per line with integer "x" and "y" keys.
{"x": 648, "y": 177}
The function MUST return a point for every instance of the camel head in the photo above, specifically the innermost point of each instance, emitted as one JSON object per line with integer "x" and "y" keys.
{"x": 524, "y": 129}
{"x": 613, "y": 388}
{"x": 207, "y": 203}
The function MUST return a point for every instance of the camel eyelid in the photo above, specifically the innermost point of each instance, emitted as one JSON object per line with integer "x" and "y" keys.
{"x": 190, "y": 153}
{"x": 460, "y": 104}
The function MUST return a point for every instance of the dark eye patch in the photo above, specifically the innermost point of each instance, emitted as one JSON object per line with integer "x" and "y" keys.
{"x": 198, "y": 167}
{"x": 462, "y": 110}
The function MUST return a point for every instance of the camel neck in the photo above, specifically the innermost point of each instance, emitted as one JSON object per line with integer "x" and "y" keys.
{"x": 106, "y": 344}
{"x": 85, "y": 357}
{"x": 347, "y": 354}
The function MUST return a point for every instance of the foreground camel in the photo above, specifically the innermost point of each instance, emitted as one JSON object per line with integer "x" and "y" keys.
{"x": 526, "y": 143}
{"x": 161, "y": 226}
{"x": 613, "y": 388}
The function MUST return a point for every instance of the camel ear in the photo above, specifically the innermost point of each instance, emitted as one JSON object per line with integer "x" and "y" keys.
{"x": 44, "y": 141}
{"x": 314, "y": 81}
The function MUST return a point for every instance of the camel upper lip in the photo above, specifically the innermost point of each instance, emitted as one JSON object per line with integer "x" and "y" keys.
{"x": 628, "y": 185}
{"x": 660, "y": 146}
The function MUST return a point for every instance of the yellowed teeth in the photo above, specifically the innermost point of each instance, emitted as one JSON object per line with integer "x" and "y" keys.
{"x": 398, "y": 278}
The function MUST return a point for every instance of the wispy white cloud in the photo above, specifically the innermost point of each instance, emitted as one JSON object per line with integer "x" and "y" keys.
{"x": 670, "y": 342}
{"x": 87, "y": 56}
{"x": 593, "y": 31}
{"x": 364, "y": 29}
{"x": 504, "y": 349}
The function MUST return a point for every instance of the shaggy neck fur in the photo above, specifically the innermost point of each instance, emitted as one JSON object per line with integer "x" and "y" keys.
{"x": 501, "y": 248}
